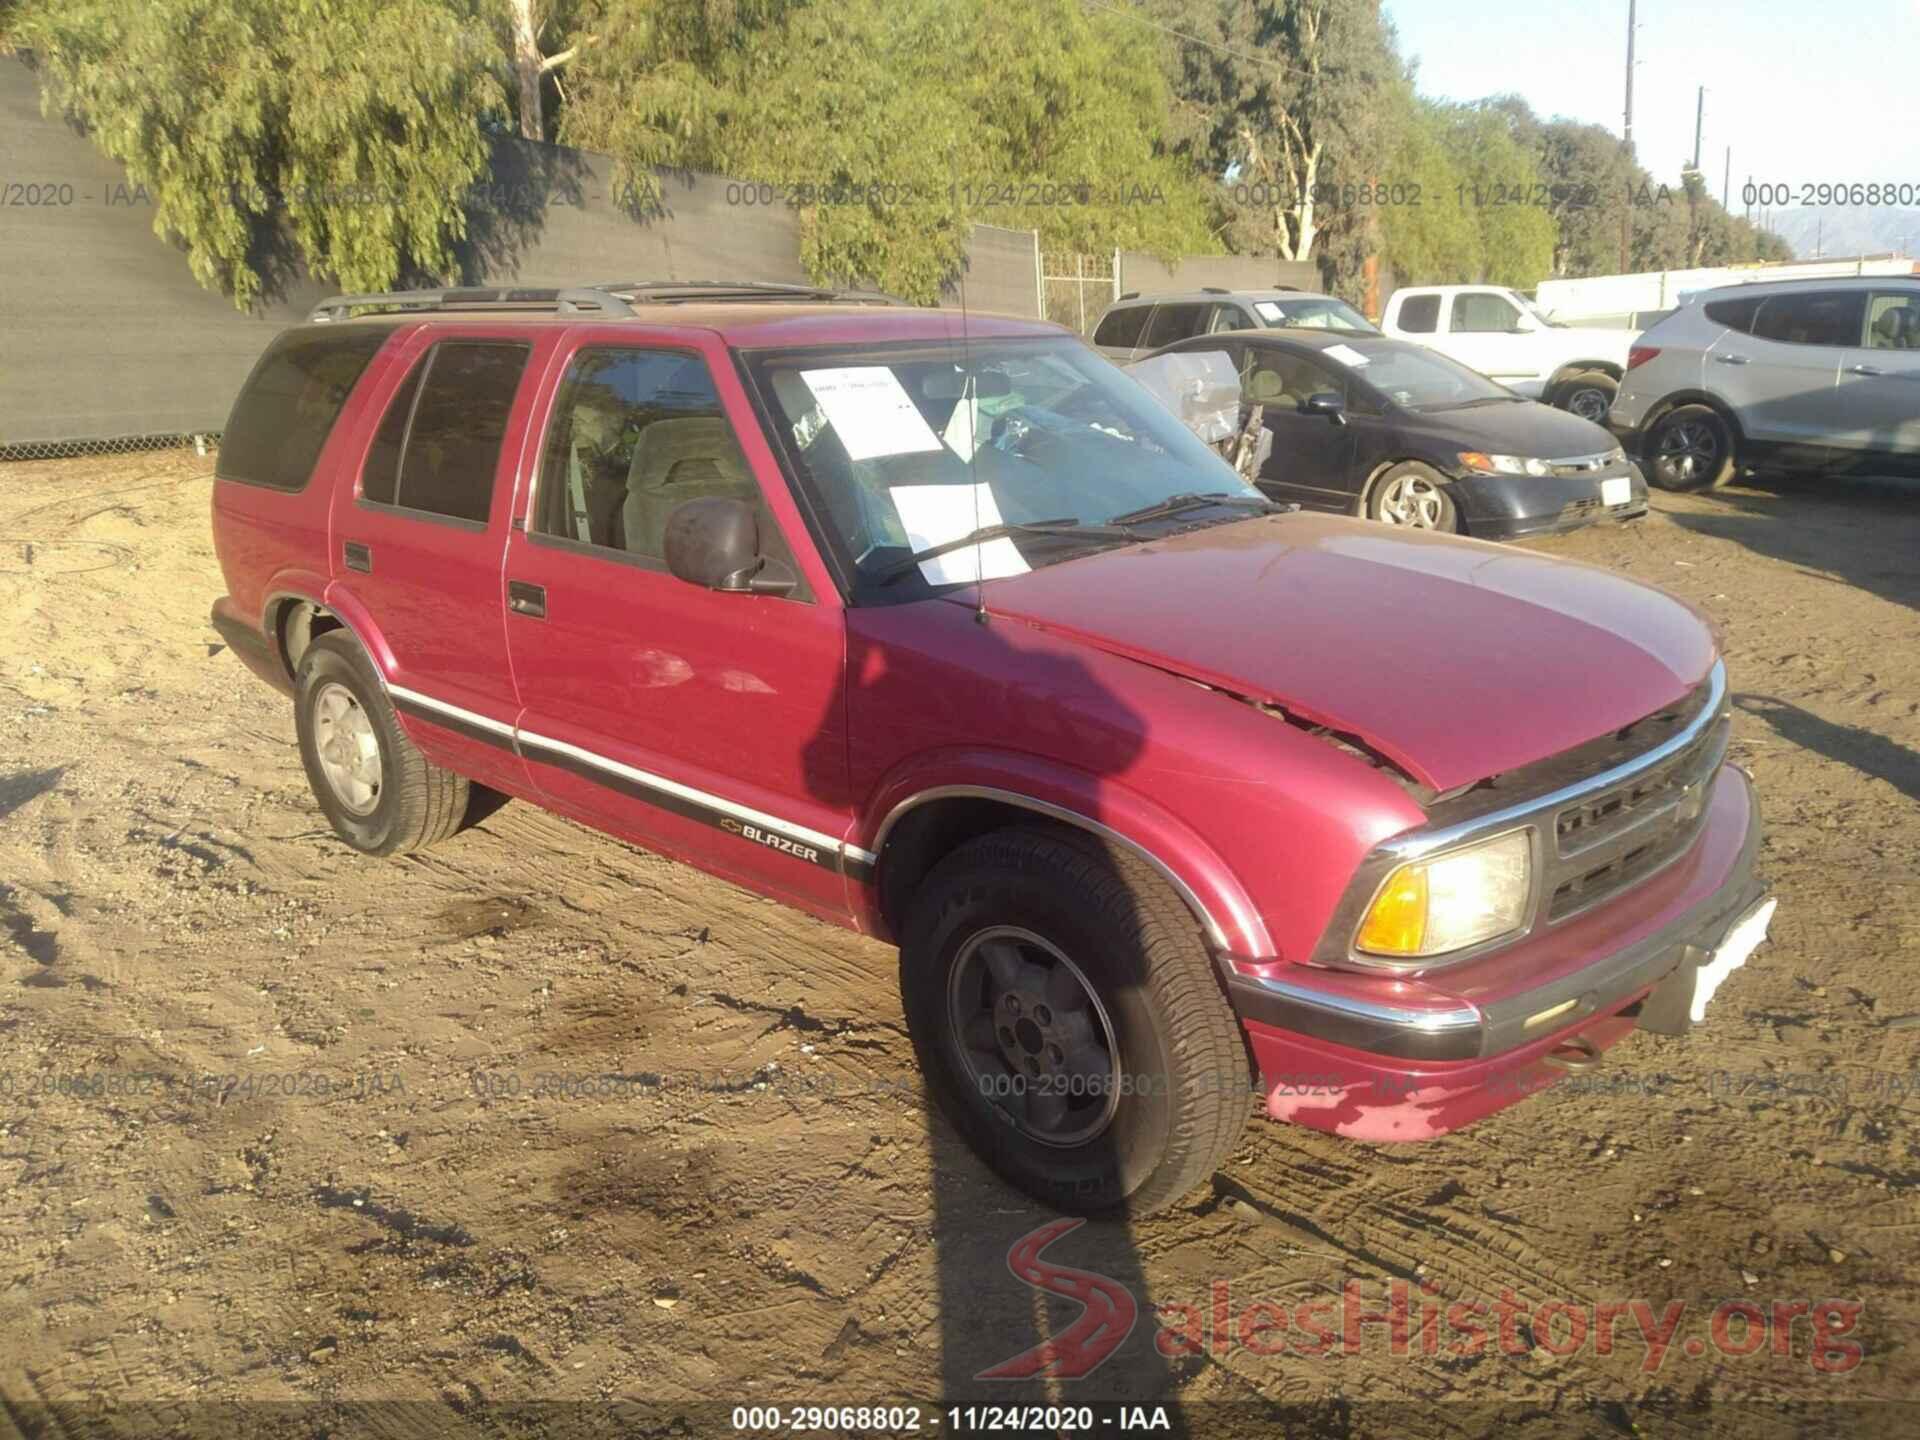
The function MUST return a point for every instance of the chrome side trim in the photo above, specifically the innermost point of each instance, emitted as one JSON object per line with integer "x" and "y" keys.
{"x": 428, "y": 702}
{"x": 1424, "y": 842}
{"x": 1251, "y": 928}
{"x": 1427, "y": 1022}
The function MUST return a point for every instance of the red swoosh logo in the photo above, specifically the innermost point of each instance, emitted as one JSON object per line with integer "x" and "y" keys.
{"x": 1106, "y": 1319}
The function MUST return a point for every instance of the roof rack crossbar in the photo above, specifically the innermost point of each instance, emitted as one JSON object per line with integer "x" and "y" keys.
{"x": 569, "y": 301}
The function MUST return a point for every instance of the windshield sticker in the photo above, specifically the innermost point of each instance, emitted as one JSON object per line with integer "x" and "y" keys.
{"x": 1346, "y": 355}
{"x": 871, "y": 411}
{"x": 938, "y": 514}
{"x": 1268, "y": 311}
{"x": 963, "y": 430}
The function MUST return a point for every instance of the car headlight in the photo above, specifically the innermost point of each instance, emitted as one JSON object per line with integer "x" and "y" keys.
{"x": 1451, "y": 900}
{"x": 1503, "y": 464}
{"x": 1617, "y": 456}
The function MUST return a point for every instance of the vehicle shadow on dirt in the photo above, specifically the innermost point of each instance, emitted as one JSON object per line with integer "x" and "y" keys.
{"x": 1870, "y": 753}
{"x": 1034, "y": 1307}
{"x": 1861, "y": 531}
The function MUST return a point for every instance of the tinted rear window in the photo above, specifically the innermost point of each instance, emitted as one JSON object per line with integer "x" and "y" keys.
{"x": 1734, "y": 314}
{"x": 287, "y": 408}
{"x": 452, "y": 441}
{"x": 1420, "y": 315}
{"x": 1174, "y": 322}
{"x": 1823, "y": 317}
{"x": 1122, "y": 327}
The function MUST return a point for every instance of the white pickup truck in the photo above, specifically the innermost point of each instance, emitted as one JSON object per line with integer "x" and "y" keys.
{"x": 1507, "y": 338}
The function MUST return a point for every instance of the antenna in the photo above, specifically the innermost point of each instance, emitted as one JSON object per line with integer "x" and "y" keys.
{"x": 969, "y": 399}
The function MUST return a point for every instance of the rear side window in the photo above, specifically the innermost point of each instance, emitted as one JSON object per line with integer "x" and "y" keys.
{"x": 1173, "y": 322}
{"x": 1121, "y": 328}
{"x": 287, "y": 408}
{"x": 1820, "y": 318}
{"x": 439, "y": 445}
{"x": 1734, "y": 314}
{"x": 1420, "y": 315}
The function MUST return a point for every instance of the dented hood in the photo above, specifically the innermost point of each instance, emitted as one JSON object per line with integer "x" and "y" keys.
{"x": 1455, "y": 659}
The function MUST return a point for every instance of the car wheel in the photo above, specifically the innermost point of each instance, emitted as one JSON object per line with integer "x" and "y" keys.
{"x": 1691, "y": 448}
{"x": 381, "y": 795}
{"x": 1413, "y": 495}
{"x": 1588, "y": 395}
{"x": 1069, "y": 1023}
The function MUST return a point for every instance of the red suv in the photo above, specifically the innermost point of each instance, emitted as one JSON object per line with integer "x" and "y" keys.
{"x": 940, "y": 628}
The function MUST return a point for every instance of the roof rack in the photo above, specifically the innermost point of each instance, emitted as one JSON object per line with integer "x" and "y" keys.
{"x": 573, "y": 301}
{"x": 1215, "y": 290}
{"x": 608, "y": 297}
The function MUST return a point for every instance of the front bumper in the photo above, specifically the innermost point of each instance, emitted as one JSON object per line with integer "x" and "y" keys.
{"x": 1515, "y": 507}
{"x": 1378, "y": 1059}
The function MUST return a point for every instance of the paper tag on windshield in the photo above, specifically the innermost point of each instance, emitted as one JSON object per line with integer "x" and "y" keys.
{"x": 1346, "y": 355}
{"x": 1268, "y": 311}
{"x": 871, "y": 411}
{"x": 934, "y": 514}
{"x": 963, "y": 428}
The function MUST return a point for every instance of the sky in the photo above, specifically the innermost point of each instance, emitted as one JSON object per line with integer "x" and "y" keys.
{"x": 1803, "y": 90}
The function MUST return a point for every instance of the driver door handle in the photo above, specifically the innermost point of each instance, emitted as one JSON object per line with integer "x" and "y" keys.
{"x": 1865, "y": 370}
{"x": 1731, "y": 359}
{"x": 526, "y": 599}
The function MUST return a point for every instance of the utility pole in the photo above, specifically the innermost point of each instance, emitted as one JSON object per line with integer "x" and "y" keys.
{"x": 1626, "y": 144}
{"x": 1726, "y": 182}
{"x": 1699, "y": 117}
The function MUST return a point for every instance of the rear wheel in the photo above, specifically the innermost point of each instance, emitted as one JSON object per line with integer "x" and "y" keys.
{"x": 381, "y": 795}
{"x": 1691, "y": 448}
{"x": 1588, "y": 395}
{"x": 1413, "y": 495}
{"x": 1069, "y": 1023}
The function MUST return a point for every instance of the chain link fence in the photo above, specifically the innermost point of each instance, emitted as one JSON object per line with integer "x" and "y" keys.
{"x": 202, "y": 444}
{"x": 1078, "y": 288}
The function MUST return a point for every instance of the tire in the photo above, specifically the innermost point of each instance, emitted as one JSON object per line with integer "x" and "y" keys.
{"x": 381, "y": 795}
{"x": 1415, "y": 496}
{"x": 1691, "y": 448}
{"x": 1588, "y": 394}
{"x": 992, "y": 923}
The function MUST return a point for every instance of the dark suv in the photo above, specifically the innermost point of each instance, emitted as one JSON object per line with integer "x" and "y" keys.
{"x": 939, "y": 627}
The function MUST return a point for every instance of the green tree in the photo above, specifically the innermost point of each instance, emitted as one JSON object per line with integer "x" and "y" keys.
{"x": 353, "y": 124}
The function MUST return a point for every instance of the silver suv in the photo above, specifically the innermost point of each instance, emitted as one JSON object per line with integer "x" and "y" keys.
{"x": 1137, "y": 325}
{"x": 1801, "y": 375}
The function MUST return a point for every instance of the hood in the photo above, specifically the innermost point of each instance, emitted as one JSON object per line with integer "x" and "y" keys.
{"x": 1523, "y": 429}
{"x": 1455, "y": 659}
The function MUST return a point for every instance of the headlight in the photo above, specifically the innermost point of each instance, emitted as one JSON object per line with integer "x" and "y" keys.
{"x": 1616, "y": 456}
{"x": 1503, "y": 464}
{"x": 1451, "y": 900}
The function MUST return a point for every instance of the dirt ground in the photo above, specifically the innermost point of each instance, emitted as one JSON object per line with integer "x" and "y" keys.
{"x": 538, "y": 1117}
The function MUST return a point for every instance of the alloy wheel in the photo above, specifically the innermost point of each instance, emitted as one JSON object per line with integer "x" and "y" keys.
{"x": 1688, "y": 451}
{"x": 348, "y": 747}
{"x": 1412, "y": 500}
{"x": 1033, "y": 1038}
{"x": 1590, "y": 404}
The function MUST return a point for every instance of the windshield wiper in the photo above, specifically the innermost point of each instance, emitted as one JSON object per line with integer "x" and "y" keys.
{"x": 1180, "y": 504}
{"x": 985, "y": 533}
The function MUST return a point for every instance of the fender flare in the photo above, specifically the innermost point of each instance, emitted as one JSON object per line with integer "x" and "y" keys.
{"x": 1112, "y": 812}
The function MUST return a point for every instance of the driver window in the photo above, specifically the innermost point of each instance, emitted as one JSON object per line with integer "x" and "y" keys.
{"x": 634, "y": 434}
{"x": 1483, "y": 314}
{"x": 1893, "y": 323}
{"x": 1283, "y": 381}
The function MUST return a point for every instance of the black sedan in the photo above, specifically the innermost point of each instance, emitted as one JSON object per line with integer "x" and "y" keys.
{"x": 1370, "y": 426}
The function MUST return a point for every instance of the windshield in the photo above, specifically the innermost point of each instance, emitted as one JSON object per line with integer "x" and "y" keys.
{"x": 1534, "y": 310}
{"x": 1420, "y": 379}
{"x": 1322, "y": 312}
{"x": 903, "y": 449}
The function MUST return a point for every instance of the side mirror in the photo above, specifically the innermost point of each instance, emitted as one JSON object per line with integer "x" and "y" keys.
{"x": 1328, "y": 404}
{"x": 714, "y": 542}
{"x": 1524, "y": 325}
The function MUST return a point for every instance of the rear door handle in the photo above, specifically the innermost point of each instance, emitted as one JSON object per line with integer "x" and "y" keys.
{"x": 525, "y": 599}
{"x": 1865, "y": 370}
{"x": 1731, "y": 359}
{"x": 357, "y": 556}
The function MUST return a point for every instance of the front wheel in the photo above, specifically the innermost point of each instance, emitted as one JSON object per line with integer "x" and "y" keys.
{"x": 1690, "y": 448}
{"x": 1588, "y": 395}
{"x": 1413, "y": 495}
{"x": 1066, "y": 1015}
